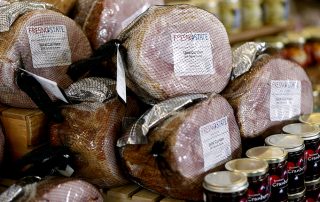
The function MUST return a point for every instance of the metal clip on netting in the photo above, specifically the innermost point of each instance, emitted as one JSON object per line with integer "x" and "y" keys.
{"x": 94, "y": 66}
{"x": 35, "y": 91}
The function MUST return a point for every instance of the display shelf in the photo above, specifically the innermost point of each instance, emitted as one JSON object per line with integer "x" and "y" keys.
{"x": 250, "y": 35}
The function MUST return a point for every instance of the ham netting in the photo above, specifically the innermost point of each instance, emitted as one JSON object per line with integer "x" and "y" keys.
{"x": 177, "y": 50}
{"x": 49, "y": 55}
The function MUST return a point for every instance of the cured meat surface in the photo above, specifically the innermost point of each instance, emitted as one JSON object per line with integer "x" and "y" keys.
{"x": 177, "y": 50}
{"x": 250, "y": 96}
{"x": 91, "y": 130}
{"x": 63, "y": 189}
{"x": 16, "y": 51}
{"x": 184, "y": 148}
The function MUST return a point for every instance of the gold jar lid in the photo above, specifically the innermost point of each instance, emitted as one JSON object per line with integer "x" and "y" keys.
{"x": 293, "y": 38}
{"x": 225, "y": 182}
{"x": 292, "y": 197}
{"x": 305, "y": 131}
{"x": 291, "y": 143}
{"x": 313, "y": 118}
{"x": 311, "y": 33}
{"x": 247, "y": 166}
{"x": 312, "y": 183}
{"x": 268, "y": 153}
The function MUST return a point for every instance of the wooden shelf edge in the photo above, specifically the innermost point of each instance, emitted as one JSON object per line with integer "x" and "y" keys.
{"x": 259, "y": 32}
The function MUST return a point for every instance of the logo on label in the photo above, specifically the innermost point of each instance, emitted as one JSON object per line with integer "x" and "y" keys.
{"x": 47, "y": 29}
{"x": 190, "y": 37}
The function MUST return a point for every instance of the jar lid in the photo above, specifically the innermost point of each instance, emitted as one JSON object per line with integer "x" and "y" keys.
{"x": 291, "y": 143}
{"x": 296, "y": 195}
{"x": 313, "y": 118}
{"x": 305, "y": 131}
{"x": 311, "y": 33}
{"x": 294, "y": 38}
{"x": 225, "y": 182}
{"x": 312, "y": 183}
{"x": 249, "y": 167}
{"x": 268, "y": 153}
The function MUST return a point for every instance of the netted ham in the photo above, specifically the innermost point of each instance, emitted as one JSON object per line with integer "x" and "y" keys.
{"x": 184, "y": 148}
{"x": 273, "y": 93}
{"x": 177, "y": 50}
{"x": 60, "y": 189}
{"x": 107, "y": 18}
{"x": 91, "y": 130}
{"x": 44, "y": 43}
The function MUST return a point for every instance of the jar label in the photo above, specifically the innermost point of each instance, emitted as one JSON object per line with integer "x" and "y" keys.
{"x": 259, "y": 190}
{"x": 216, "y": 144}
{"x": 285, "y": 99}
{"x": 296, "y": 170}
{"x": 312, "y": 156}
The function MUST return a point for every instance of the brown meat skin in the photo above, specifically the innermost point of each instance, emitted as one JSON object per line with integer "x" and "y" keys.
{"x": 15, "y": 52}
{"x": 150, "y": 56}
{"x": 249, "y": 95}
{"x": 91, "y": 130}
{"x": 172, "y": 162}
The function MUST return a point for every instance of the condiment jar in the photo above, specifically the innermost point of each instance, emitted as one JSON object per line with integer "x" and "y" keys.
{"x": 313, "y": 119}
{"x": 312, "y": 45}
{"x": 294, "y": 145}
{"x": 278, "y": 175}
{"x": 230, "y": 15}
{"x": 276, "y": 12}
{"x": 256, "y": 171}
{"x": 225, "y": 186}
{"x": 297, "y": 197}
{"x": 251, "y": 14}
{"x": 313, "y": 191}
{"x": 311, "y": 136}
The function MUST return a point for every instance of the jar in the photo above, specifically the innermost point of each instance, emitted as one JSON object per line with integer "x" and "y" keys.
{"x": 212, "y": 6}
{"x": 256, "y": 171}
{"x": 276, "y": 12}
{"x": 313, "y": 190}
{"x": 251, "y": 14}
{"x": 278, "y": 175}
{"x": 230, "y": 15}
{"x": 311, "y": 136}
{"x": 296, "y": 162}
{"x": 312, "y": 45}
{"x": 313, "y": 119}
{"x": 294, "y": 49}
{"x": 298, "y": 197}
{"x": 225, "y": 186}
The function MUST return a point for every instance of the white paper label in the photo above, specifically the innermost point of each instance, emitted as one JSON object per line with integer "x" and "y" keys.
{"x": 121, "y": 77}
{"x": 49, "y": 85}
{"x": 192, "y": 54}
{"x": 285, "y": 99}
{"x": 216, "y": 145}
{"x": 49, "y": 45}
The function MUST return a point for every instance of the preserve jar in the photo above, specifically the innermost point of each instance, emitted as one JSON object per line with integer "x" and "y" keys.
{"x": 230, "y": 15}
{"x": 313, "y": 119}
{"x": 225, "y": 186}
{"x": 276, "y": 12}
{"x": 297, "y": 197}
{"x": 278, "y": 175}
{"x": 251, "y": 14}
{"x": 312, "y": 45}
{"x": 294, "y": 145}
{"x": 313, "y": 190}
{"x": 256, "y": 171}
{"x": 311, "y": 136}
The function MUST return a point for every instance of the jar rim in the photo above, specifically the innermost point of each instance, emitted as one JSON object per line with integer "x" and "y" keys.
{"x": 248, "y": 166}
{"x": 271, "y": 154}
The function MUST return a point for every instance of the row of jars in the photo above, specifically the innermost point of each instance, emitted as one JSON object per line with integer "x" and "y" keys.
{"x": 301, "y": 47}
{"x": 286, "y": 169}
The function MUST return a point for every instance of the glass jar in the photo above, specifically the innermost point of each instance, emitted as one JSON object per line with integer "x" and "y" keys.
{"x": 278, "y": 175}
{"x": 312, "y": 45}
{"x": 251, "y": 14}
{"x": 276, "y": 12}
{"x": 256, "y": 171}
{"x": 230, "y": 15}
{"x": 225, "y": 186}
{"x": 294, "y": 145}
{"x": 311, "y": 136}
{"x": 297, "y": 197}
{"x": 313, "y": 190}
{"x": 313, "y": 119}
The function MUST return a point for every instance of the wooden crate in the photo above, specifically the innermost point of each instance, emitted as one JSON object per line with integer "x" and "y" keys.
{"x": 24, "y": 129}
{"x": 134, "y": 193}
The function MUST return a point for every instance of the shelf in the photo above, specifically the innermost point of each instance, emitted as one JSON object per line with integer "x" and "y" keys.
{"x": 250, "y": 35}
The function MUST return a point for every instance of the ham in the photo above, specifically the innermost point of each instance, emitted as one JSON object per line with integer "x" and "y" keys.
{"x": 269, "y": 96}
{"x": 177, "y": 50}
{"x": 183, "y": 148}
{"x": 23, "y": 47}
{"x": 107, "y": 18}
{"x": 90, "y": 131}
